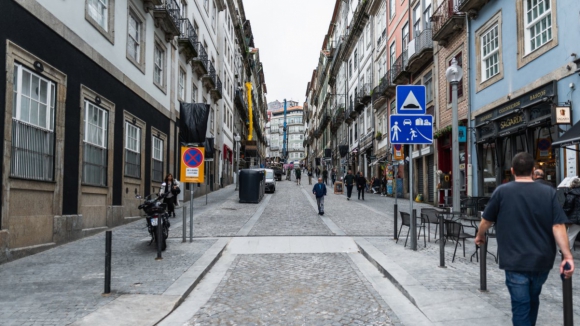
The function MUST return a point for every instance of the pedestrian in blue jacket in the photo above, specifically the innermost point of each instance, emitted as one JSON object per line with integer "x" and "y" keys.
{"x": 319, "y": 191}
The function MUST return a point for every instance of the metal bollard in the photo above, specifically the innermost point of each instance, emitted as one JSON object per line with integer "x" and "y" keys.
{"x": 108, "y": 252}
{"x": 184, "y": 224}
{"x": 441, "y": 242}
{"x": 159, "y": 237}
{"x": 567, "y": 301}
{"x": 395, "y": 221}
{"x": 414, "y": 230}
{"x": 483, "y": 266}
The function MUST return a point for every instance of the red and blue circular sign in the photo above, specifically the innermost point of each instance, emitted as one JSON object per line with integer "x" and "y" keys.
{"x": 192, "y": 157}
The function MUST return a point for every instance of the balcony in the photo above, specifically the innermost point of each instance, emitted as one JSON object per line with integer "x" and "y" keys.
{"x": 358, "y": 105}
{"x": 447, "y": 22}
{"x": 274, "y": 148}
{"x": 400, "y": 73}
{"x": 420, "y": 51}
{"x": 471, "y": 7}
{"x": 364, "y": 93}
{"x": 200, "y": 63}
{"x": 366, "y": 141}
{"x": 216, "y": 92}
{"x": 187, "y": 39}
{"x": 208, "y": 79}
{"x": 150, "y": 4}
{"x": 390, "y": 86}
{"x": 166, "y": 17}
{"x": 296, "y": 149}
{"x": 241, "y": 105}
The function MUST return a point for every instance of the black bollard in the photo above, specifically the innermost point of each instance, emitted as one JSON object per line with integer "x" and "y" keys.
{"x": 159, "y": 237}
{"x": 184, "y": 225}
{"x": 567, "y": 299}
{"x": 108, "y": 251}
{"x": 483, "y": 266}
{"x": 395, "y": 221}
{"x": 441, "y": 241}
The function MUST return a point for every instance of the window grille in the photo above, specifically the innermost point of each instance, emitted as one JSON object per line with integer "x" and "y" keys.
{"x": 132, "y": 151}
{"x": 95, "y": 145}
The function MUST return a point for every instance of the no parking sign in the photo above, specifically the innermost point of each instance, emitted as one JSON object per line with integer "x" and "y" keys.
{"x": 192, "y": 164}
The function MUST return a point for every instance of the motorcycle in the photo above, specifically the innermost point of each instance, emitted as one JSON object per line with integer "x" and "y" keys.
{"x": 156, "y": 214}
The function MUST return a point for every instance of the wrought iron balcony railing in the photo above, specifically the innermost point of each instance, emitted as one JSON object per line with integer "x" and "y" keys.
{"x": 421, "y": 50}
{"x": 200, "y": 62}
{"x": 166, "y": 16}
{"x": 447, "y": 21}
{"x": 400, "y": 73}
{"x": 187, "y": 38}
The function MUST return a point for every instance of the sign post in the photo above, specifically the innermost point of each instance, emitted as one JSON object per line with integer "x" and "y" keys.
{"x": 411, "y": 126}
{"x": 192, "y": 172}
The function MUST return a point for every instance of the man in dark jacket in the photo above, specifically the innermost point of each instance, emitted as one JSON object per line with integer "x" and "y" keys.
{"x": 361, "y": 183}
{"x": 325, "y": 176}
{"x": 317, "y": 171}
{"x": 349, "y": 182}
{"x": 539, "y": 177}
{"x": 319, "y": 191}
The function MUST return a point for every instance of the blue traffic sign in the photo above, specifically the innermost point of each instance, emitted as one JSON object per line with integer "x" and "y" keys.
{"x": 411, "y": 129}
{"x": 411, "y": 99}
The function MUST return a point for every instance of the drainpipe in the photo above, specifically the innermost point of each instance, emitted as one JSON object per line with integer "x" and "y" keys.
{"x": 468, "y": 146}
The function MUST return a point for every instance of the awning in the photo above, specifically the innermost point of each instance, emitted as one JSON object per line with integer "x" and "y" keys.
{"x": 570, "y": 137}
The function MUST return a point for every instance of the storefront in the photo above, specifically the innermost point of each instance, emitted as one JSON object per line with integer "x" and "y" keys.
{"x": 523, "y": 124}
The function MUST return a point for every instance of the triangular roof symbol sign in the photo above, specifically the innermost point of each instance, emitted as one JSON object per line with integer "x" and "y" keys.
{"x": 411, "y": 103}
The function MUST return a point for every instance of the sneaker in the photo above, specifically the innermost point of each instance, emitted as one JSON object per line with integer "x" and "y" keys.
{"x": 347, "y": 198}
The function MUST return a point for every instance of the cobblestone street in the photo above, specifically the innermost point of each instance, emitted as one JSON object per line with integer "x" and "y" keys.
{"x": 272, "y": 263}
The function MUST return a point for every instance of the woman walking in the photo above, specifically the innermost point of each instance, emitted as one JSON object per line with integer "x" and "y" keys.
{"x": 171, "y": 188}
{"x": 572, "y": 210}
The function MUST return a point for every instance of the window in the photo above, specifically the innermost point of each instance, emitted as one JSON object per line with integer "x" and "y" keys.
{"x": 405, "y": 34}
{"x": 95, "y": 145}
{"x": 158, "y": 69}
{"x": 181, "y": 85}
{"x": 428, "y": 82}
{"x": 355, "y": 131}
{"x": 459, "y": 58}
{"x": 132, "y": 150}
{"x": 193, "y": 93}
{"x": 368, "y": 37}
{"x": 382, "y": 66}
{"x": 392, "y": 5}
{"x": 213, "y": 12}
{"x": 417, "y": 20}
{"x": 490, "y": 53}
{"x": 538, "y": 20}
{"x": 32, "y": 126}
{"x": 394, "y": 107}
{"x": 157, "y": 166}
{"x": 427, "y": 14}
{"x": 135, "y": 47}
{"x": 211, "y": 117}
{"x": 369, "y": 81}
{"x": 101, "y": 14}
{"x": 368, "y": 116}
{"x": 355, "y": 58}
{"x": 98, "y": 11}
{"x": 392, "y": 55}
{"x": 350, "y": 68}
{"x": 206, "y": 5}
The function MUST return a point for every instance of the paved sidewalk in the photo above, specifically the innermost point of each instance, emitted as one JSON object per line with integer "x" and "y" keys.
{"x": 417, "y": 273}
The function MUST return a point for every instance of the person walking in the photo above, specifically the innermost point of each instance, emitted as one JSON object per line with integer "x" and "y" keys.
{"x": 349, "y": 182}
{"x": 361, "y": 183}
{"x": 325, "y": 176}
{"x": 319, "y": 191}
{"x": 298, "y": 173}
{"x": 170, "y": 187}
{"x": 310, "y": 176}
{"x": 572, "y": 210}
{"x": 539, "y": 177}
{"x": 333, "y": 176}
{"x": 317, "y": 171}
{"x": 529, "y": 222}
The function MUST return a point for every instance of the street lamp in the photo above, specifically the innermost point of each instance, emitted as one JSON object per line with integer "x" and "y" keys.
{"x": 237, "y": 138}
{"x": 454, "y": 74}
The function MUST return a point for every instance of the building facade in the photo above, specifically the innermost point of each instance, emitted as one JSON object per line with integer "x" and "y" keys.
{"x": 91, "y": 108}
{"x": 294, "y": 145}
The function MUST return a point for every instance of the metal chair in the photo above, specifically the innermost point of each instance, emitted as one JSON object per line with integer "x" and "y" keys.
{"x": 454, "y": 231}
{"x": 406, "y": 221}
{"x": 429, "y": 216}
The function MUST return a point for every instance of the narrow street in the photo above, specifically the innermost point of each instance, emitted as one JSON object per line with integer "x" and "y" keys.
{"x": 272, "y": 263}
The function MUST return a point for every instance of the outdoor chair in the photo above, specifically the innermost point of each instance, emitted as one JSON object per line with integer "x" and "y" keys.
{"x": 406, "y": 221}
{"x": 429, "y": 216}
{"x": 454, "y": 231}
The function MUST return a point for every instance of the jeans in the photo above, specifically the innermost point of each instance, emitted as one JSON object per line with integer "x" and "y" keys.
{"x": 361, "y": 190}
{"x": 525, "y": 289}
{"x": 320, "y": 203}
{"x": 348, "y": 190}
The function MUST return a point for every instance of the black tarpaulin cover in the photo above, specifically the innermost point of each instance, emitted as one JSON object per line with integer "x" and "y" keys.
{"x": 193, "y": 122}
{"x": 208, "y": 148}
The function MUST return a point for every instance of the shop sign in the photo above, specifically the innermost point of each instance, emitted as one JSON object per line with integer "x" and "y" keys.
{"x": 563, "y": 115}
{"x": 462, "y": 134}
{"x": 508, "y": 124}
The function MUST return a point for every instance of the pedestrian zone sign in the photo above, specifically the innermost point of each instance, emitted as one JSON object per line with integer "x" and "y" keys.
{"x": 192, "y": 164}
{"x": 411, "y": 129}
{"x": 411, "y": 99}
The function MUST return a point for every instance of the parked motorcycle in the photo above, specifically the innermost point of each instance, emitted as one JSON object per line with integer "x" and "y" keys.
{"x": 156, "y": 214}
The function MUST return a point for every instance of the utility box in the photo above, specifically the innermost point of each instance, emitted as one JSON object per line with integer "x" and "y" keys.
{"x": 252, "y": 185}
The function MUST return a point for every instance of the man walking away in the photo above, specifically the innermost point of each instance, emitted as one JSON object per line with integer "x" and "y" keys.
{"x": 361, "y": 183}
{"x": 298, "y": 176}
{"x": 539, "y": 177}
{"x": 333, "y": 176}
{"x": 310, "y": 176}
{"x": 319, "y": 191}
{"x": 529, "y": 222}
{"x": 349, "y": 182}
{"x": 325, "y": 176}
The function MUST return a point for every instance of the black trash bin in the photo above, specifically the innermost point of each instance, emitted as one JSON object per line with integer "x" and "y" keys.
{"x": 252, "y": 186}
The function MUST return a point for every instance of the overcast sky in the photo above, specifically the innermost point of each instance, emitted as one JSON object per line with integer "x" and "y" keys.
{"x": 289, "y": 34}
